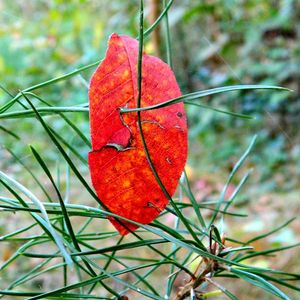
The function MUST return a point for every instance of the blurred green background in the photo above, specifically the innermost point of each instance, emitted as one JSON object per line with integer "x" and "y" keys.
{"x": 214, "y": 43}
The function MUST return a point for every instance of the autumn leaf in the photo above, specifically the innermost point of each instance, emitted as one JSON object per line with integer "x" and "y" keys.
{"x": 119, "y": 168}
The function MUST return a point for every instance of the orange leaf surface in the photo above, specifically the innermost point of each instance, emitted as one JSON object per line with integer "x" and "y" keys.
{"x": 119, "y": 168}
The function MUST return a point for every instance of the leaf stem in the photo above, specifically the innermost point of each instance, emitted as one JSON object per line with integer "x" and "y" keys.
{"x": 157, "y": 178}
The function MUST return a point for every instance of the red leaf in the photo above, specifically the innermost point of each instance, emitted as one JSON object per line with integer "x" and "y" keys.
{"x": 119, "y": 169}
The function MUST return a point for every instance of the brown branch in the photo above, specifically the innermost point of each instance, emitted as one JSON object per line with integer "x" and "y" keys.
{"x": 155, "y": 10}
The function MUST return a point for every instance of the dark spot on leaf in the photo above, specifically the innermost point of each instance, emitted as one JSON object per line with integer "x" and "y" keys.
{"x": 152, "y": 205}
{"x": 179, "y": 114}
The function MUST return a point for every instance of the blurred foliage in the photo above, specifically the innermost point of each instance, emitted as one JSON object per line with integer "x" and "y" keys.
{"x": 231, "y": 42}
{"x": 215, "y": 43}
